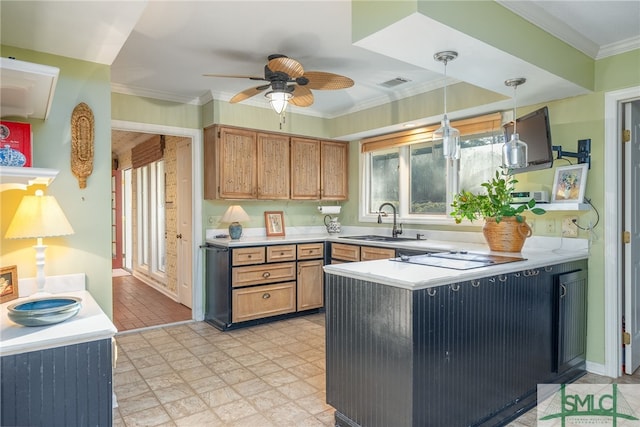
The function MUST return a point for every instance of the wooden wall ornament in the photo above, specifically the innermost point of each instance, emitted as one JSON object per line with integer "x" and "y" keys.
{"x": 82, "y": 143}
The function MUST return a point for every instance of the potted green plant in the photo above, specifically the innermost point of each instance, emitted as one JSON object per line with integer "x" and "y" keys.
{"x": 505, "y": 227}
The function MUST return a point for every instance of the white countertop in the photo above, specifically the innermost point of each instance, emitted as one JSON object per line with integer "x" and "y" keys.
{"x": 415, "y": 277}
{"x": 90, "y": 324}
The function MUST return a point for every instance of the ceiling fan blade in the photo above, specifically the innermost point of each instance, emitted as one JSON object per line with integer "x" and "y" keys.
{"x": 302, "y": 97}
{"x": 320, "y": 80}
{"x": 247, "y": 93}
{"x": 235, "y": 76}
{"x": 286, "y": 65}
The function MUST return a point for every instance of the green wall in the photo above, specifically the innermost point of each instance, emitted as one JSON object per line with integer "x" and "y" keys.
{"x": 88, "y": 210}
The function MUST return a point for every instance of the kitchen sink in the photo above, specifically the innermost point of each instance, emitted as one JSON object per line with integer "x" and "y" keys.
{"x": 377, "y": 238}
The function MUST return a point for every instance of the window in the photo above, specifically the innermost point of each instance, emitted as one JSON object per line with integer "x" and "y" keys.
{"x": 409, "y": 170}
{"x": 151, "y": 218}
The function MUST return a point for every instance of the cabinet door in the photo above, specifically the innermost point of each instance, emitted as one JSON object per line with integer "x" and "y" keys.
{"x": 368, "y": 253}
{"x": 237, "y": 164}
{"x": 263, "y": 301}
{"x": 273, "y": 166}
{"x": 342, "y": 252}
{"x": 335, "y": 170}
{"x": 305, "y": 169}
{"x": 572, "y": 318}
{"x": 310, "y": 285}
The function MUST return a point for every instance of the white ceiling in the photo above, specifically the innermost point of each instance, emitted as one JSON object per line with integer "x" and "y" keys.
{"x": 161, "y": 48}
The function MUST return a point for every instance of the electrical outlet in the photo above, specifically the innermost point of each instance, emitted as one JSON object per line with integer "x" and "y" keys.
{"x": 569, "y": 227}
{"x": 551, "y": 226}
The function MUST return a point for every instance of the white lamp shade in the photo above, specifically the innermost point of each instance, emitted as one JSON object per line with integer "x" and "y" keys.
{"x": 38, "y": 216}
{"x": 235, "y": 213}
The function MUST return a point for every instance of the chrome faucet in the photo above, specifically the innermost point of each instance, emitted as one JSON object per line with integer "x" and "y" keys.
{"x": 394, "y": 231}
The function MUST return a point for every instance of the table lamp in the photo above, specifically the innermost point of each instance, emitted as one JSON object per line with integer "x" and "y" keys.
{"x": 37, "y": 217}
{"x": 234, "y": 215}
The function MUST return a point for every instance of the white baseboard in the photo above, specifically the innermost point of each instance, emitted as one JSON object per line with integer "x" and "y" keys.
{"x": 596, "y": 368}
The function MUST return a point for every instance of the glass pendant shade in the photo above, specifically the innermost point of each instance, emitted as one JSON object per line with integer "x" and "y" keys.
{"x": 279, "y": 100}
{"x": 450, "y": 136}
{"x": 450, "y": 139}
{"x": 514, "y": 153}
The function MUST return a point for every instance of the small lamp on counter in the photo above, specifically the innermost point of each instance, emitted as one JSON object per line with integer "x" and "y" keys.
{"x": 234, "y": 215}
{"x": 37, "y": 217}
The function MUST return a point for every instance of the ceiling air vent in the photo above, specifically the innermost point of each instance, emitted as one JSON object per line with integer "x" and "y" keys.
{"x": 395, "y": 82}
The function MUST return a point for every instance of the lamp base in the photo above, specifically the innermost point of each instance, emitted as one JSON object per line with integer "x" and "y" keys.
{"x": 235, "y": 230}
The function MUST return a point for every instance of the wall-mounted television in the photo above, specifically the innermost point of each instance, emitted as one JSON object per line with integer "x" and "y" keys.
{"x": 535, "y": 131}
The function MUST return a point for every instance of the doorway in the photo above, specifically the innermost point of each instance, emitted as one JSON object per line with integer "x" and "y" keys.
{"x": 191, "y": 139}
{"x": 621, "y": 290}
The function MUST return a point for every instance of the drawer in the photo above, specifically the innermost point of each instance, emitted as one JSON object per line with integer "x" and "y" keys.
{"x": 262, "y": 274}
{"x": 281, "y": 253}
{"x": 311, "y": 251}
{"x": 245, "y": 256}
{"x": 263, "y": 301}
{"x": 345, "y": 252}
{"x": 368, "y": 253}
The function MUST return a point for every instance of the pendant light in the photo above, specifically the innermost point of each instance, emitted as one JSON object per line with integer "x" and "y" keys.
{"x": 450, "y": 136}
{"x": 514, "y": 152}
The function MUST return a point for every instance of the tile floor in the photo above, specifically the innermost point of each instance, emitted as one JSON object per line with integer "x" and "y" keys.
{"x": 268, "y": 375}
{"x": 137, "y": 305}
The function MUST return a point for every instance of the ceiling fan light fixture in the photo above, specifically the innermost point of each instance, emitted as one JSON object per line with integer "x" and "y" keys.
{"x": 279, "y": 100}
{"x": 450, "y": 136}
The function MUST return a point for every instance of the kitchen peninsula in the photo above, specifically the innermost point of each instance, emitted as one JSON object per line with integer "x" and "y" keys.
{"x": 417, "y": 345}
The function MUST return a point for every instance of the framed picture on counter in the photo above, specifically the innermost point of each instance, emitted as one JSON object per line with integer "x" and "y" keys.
{"x": 274, "y": 222}
{"x": 569, "y": 184}
{"x": 8, "y": 283}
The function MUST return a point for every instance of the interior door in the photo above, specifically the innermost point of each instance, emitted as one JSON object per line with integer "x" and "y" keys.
{"x": 631, "y": 249}
{"x": 184, "y": 214}
{"x": 116, "y": 219}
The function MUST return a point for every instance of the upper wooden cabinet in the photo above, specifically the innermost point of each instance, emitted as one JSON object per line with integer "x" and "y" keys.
{"x": 273, "y": 166}
{"x": 335, "y": 170}
{"x": 305, "y": 169}
{"x": 246, "y": 164}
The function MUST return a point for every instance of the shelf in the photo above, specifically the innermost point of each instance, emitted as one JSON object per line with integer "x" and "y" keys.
{"x": 562, "y": 206}
{"x": 16, "y": 178}
{"x": 26, "y": 89}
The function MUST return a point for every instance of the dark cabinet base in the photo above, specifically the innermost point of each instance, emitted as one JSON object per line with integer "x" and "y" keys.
{"x": 470, "y": 353}
{"x": 64, "y": 386}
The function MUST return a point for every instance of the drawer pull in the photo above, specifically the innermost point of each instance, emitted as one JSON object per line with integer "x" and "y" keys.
{"x": 266, "y": 274}
{"x": 281, "y": 253}
{"x": 249, "y": 256}
{"x": 266, "y": 295}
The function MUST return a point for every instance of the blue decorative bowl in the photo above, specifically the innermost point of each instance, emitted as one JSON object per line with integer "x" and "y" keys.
{"x": 44, "y": 311}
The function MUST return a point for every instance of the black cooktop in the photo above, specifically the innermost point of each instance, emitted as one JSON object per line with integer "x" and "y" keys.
{"x": 458, "y": 260}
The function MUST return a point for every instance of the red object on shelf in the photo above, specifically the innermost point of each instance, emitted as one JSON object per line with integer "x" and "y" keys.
{"x": 17, "y": 136}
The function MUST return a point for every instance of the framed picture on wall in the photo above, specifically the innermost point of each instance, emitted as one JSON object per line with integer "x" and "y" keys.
{"x": 570, "y": 183}
{"x": 274, "y": 222}
{"x": 8, "y": 283}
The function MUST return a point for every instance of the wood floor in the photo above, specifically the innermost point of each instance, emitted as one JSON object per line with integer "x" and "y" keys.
{"x": 137, "y": 305}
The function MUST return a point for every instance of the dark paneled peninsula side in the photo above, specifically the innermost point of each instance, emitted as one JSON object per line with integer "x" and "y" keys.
{"x": 459, "y": 354}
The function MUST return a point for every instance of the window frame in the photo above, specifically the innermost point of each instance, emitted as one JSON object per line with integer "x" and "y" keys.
{"x": 484, "y": 124}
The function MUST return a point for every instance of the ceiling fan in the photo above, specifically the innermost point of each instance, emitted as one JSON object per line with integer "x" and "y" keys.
{"x": 289, "y": 83}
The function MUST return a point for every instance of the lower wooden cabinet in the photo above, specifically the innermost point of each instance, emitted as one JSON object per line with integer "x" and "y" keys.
{"x": 251, "y": 284}
{"x": 341, "y": 252}
{"x": 263, "y": 301}
{"x": 310, "y": 285}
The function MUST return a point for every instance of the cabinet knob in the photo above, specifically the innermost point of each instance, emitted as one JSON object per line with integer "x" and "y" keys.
{"x": 249, "y": 256}
{"x": 281, "y": 253}
{"x": 266, "y": 295}
{"x": 266, "y": 274}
